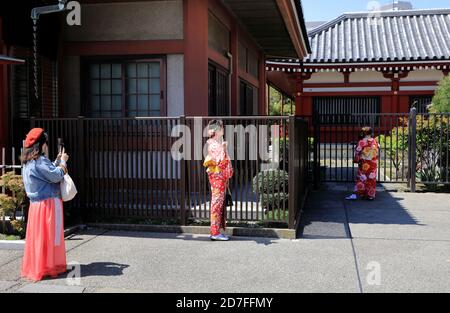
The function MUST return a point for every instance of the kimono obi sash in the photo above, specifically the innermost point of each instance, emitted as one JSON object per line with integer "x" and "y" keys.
{"x": 211, "y": 165}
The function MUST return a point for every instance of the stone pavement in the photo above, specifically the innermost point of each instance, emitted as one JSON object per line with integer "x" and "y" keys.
{"x": 398, "y": 243}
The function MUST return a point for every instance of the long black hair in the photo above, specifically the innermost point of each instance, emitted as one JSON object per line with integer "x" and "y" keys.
{"x": 35, "y": 151}
{"x": 366, "y": 131}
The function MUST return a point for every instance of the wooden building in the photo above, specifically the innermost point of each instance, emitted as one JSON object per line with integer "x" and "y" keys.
{"x": 372, "y": 62}
{"x": 144, "y": 58}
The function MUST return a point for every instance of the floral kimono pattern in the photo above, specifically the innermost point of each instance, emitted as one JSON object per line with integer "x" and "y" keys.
{"x": 219, "y": 170}
{"x": 366, "y": 156}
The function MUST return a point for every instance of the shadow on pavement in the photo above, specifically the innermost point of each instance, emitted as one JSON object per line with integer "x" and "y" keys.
{"x": 327, "y": 214}
{"x": 101, "y": 269}
{"x": 185, "y": 236}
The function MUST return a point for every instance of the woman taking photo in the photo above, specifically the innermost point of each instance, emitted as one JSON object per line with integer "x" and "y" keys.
{"x": 44, "y": 253}
{"x": 219, "y": 171}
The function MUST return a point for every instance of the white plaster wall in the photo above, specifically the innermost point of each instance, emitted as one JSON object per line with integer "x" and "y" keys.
{"x": 145, "y": 20}
{"x": 424, "y": 75}
{"x": 372, "y": 76}
{"x": 71, "y": 86}
{"x": 324, "y": 77}
{"x": 175, "y": 85}
{"x": 367, "y": 77}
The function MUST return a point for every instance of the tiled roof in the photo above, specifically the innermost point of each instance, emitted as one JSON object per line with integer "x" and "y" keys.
{"x": 410, "y": 35}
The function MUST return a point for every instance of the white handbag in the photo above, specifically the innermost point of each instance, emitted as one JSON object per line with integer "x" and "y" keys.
{"x": 68, "y": 189}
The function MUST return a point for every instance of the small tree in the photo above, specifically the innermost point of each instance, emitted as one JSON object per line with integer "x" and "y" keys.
{"x": 395, "y": 145}
{"x": 432, "y": 149}
{"x": 441, "y": 99}
{"x": 13, "y": 201}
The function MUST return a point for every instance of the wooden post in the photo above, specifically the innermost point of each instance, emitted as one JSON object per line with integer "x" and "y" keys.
{"x": 183, "y": 221}
{"x": 316, "y": 152}
{"x": 196, "y": 57}
{"x": 412, "y": 165}
{"x": 292, "y": 181}
{"x": 298, "y": 94}
{"x": 3, "y": 165}
{"x": 82, "y": 168}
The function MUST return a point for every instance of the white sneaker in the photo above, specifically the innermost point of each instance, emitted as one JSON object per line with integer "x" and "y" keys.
{"x": 352, "y": 197}
{"x": 220, "y": 237}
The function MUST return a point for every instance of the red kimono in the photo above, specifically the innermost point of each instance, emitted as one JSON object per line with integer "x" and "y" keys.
{"x": 366, "y": 156}
{"x": 219, "y": 170}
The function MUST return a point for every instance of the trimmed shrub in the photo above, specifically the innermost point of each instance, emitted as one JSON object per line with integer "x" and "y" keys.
{"x": 270, "y": 186}
{"x": 270, "y": 181}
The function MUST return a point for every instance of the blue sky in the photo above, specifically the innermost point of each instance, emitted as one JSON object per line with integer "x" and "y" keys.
{"x": 324, "y": 10}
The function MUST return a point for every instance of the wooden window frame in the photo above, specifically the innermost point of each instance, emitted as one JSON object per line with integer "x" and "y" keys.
{"x": 123, "y": 60}
{"x": 344, "y": 117}
{"x": 255, "y": 94}
{"x": 218, "y": 69}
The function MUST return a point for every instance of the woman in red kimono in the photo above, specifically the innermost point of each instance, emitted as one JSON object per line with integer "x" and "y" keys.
{"x": 219, "y": 171}
{"x": 366, "y": 155}
{"x": 45, "y": 253}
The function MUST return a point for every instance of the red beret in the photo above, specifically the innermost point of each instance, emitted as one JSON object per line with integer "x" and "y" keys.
{"x": 33, "y": 136}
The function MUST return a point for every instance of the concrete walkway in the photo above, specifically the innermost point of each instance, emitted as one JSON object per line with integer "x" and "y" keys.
{"x": 398, "y": 243}
{"x": 407, "y": 235}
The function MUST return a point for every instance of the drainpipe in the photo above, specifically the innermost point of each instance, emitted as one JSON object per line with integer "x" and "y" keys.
{"x": 37, "y": 11}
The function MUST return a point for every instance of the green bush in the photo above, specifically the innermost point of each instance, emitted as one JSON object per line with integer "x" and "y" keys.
{"x": 395, "y": 145}
{"x": 278, "y": 215}
{"x": 283, "y": 144}
{"x": 274, "y": 201}
{"x": 270, "y": 186}
{"x": 441, "y": 99}
{"x": 6, "y": 205}
{"x": 270, "y": 181}
{"x": 12, "y": 202}
{"x": 431, "y": 148}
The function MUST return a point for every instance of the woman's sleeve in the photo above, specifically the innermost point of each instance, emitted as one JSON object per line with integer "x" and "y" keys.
{"x": 358, "y": 150}
{"x": 50, "y": 172}
{"x": 216, "y": 153}
{"x": 228, "y": 169}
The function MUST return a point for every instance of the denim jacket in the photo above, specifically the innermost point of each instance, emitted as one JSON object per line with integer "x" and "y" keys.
{"x": 42, "y": 179}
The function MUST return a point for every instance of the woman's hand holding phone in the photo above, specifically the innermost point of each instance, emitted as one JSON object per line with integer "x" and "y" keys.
{"x": 63, "y": 155}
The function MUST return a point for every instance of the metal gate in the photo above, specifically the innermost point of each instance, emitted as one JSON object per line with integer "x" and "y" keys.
{"x": 414, "y": 146}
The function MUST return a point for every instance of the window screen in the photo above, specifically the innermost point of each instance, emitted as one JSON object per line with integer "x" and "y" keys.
{"x": 347, "y": 110}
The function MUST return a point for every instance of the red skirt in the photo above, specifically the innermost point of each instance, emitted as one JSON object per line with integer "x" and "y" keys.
{"x": 45, "y": 252}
